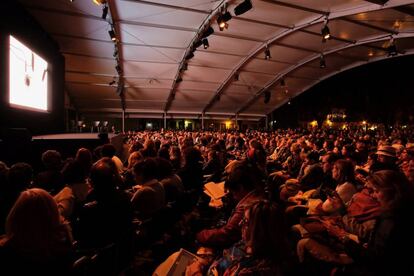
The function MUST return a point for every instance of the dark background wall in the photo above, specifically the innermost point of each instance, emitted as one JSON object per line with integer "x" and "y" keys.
{"x": 380, "y": 92}
{"x": 19, "y": 23}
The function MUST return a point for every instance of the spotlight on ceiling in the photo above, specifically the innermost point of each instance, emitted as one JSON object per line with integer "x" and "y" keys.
{"x": 282, "y": 83}
{"x": 222, "y": 19}
{"x": 112, "y": 82}
{"x": 208, "y": 32}
{"x": 243, "y": 7}
{"x": 326, "y": 34}
{"x": 112, "y": 34}
{"x": 205, "y": 43}
{"x": 179, "y": 79}
{"x": 236, "y": 76}
{"x": 115, "y": 54}
{"x": 267, "y": 53}
{"x": 190, "y": 55}
{"x": 198, "y": 43}
{"x": 105, "y": 12}
{"x": 99, "y": 2}
{"x": 322, "y": 63}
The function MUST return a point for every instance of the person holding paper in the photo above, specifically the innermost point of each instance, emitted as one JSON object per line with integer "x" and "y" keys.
{"x": 241, "y": 184}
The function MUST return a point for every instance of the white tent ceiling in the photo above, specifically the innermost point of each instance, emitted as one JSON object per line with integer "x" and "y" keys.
{"x": 232, "y": 76}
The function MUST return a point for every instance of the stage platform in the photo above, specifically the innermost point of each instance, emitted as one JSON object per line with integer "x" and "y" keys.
{"x": 22, "y": 148}
{"x": 73, "y": 136}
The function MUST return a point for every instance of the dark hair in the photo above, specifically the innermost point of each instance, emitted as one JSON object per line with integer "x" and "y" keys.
{"x": 108, "y": 150}
{"x": 73, "y": 172}
{"x": 346, "y": 169}
{"x": 266, "y": 232}
{"x": 84, "y": 157}
{"x": 192, "y": 156}
{"x": 104, "y": 175}
{"x": 52, "y": 160}
{"x": 20, "y": 176}
{"x": 313, "y": 156}
{"x": 244, "y": 175}
{"x": 164, "y": 168}
{"x": 332, "y": 157}
{"x": 146, "y": 168}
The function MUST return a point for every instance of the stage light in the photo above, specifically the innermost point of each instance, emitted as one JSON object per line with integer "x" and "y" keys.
{"x": 282, "y": 83}
{"x": 205, "y": 43}
{"x": 222, "y": 19}
{"x": 326, "y": 33}
{"x": 112, "y": 82}
{"x": 104, "y": 12}
{"x": 190, "y": 55}
{"x": 198, "y": 43}
{"x": 179, "y": 79}
{"x": 322, "y": 63}
{"x": 99, "y": 2}
{"x": 243, "y": 7}
{"x": 236, "y": 76}
{"x": 208, "y": 32}
{"x": 112, "y": 34}
{"x": 222, "y": 25}
{"x": 267, "y": 54}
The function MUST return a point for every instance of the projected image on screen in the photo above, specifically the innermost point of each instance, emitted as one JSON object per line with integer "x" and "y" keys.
{"x": 28, "y": 78}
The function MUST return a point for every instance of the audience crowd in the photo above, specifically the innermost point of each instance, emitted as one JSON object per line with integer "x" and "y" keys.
{"x": 299, "y": 202}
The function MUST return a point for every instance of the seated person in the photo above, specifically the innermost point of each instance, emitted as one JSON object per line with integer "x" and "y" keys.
{"x": 36, "y": 241}
{"x": 150, "y": 194}
{"x": 108, "y": 217}
{"x": 241, "y": 184}
{"x": 262, "y": 251}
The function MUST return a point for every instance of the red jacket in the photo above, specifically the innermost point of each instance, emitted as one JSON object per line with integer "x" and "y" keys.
{"x": 230, "y": 233}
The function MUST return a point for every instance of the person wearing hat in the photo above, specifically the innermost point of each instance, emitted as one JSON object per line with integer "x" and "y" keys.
{"x": 386, "y": 159}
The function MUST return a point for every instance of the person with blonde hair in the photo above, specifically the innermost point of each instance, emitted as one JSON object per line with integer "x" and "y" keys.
{"x": 36, "y": 240}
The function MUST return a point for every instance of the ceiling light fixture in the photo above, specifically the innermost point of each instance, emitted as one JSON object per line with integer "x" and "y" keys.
{"x": 179, "y": 79}
{"x": 198, "y": 43}
{"x": 326, "y": 33}
{"x": 208, "y": 32}
{"x": 99, "y": 2}
{"x": 205, "y": 43}
{"x": 267, "y": 53}
{"x": 112, "y": 35}
{"x": 243, "y": 7}
{"x": 322, "y": 63}
{"x": 190, "y": 55}
{"x": 105, "y": 12}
